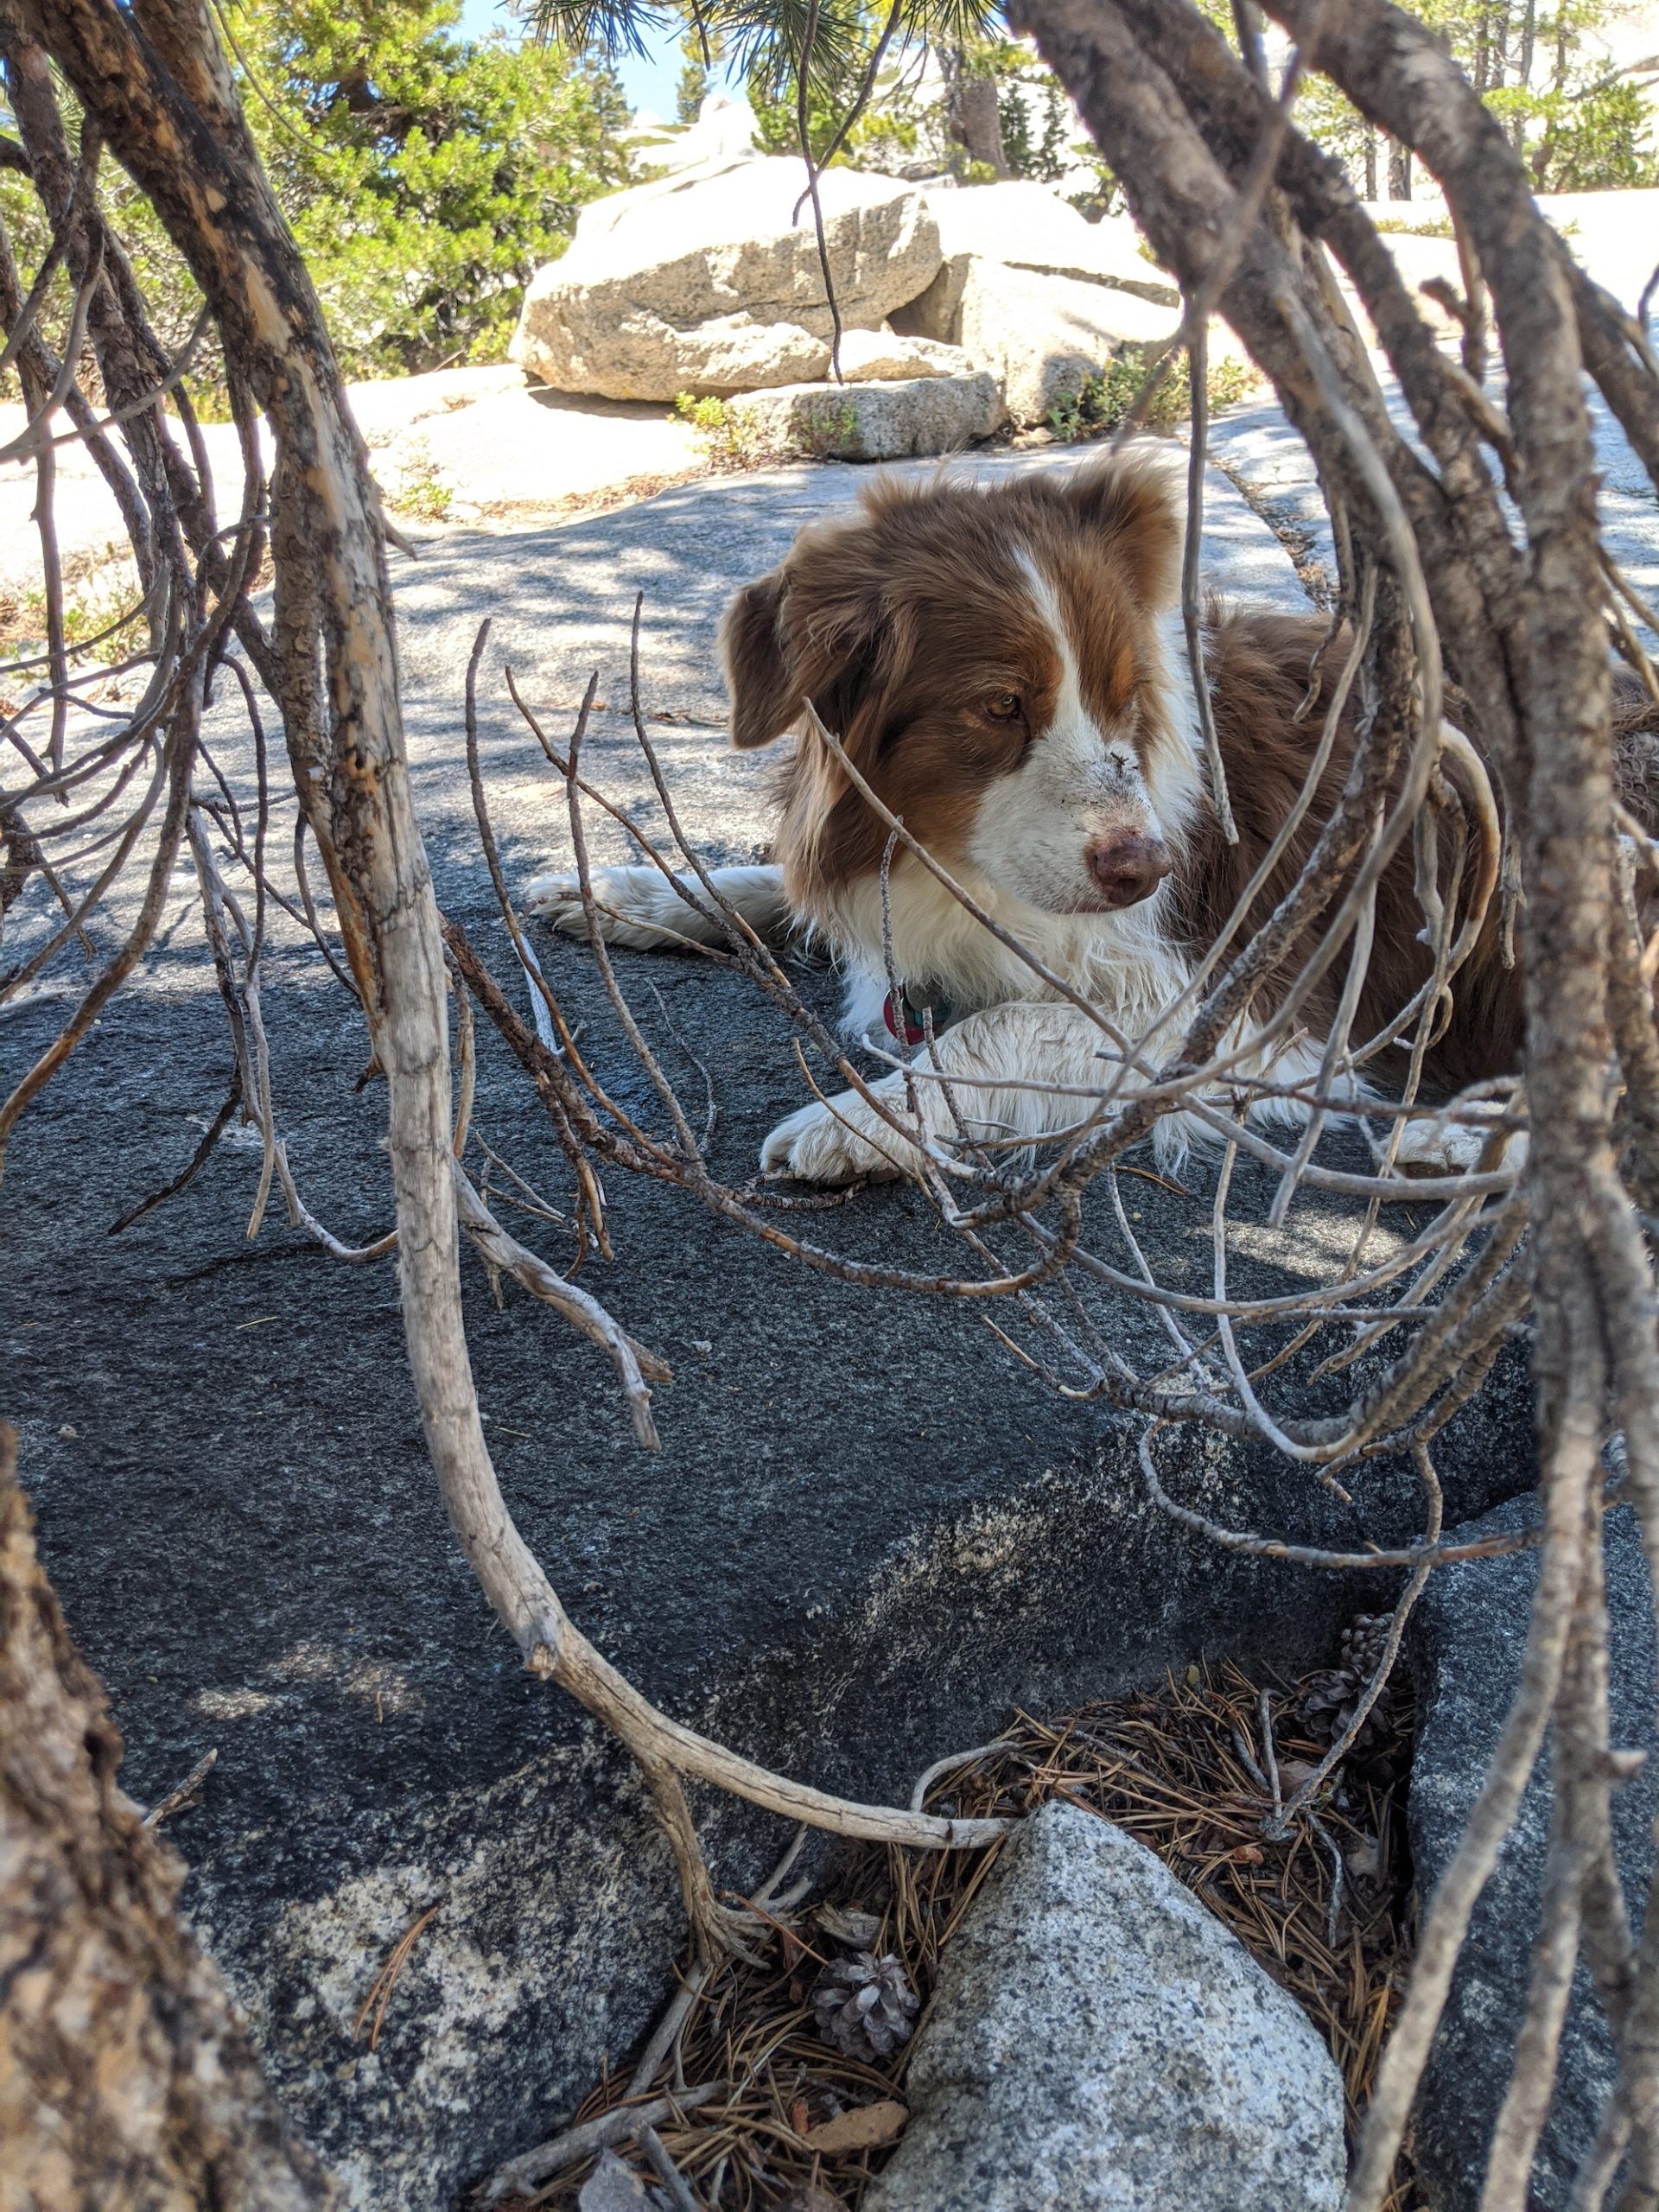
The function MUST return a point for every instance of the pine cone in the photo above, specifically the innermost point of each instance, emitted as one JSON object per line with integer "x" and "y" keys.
{"x": 1329, "y": 1698}
{"x": 865, "y": 2006}
{"x": 1363, "y": 1642}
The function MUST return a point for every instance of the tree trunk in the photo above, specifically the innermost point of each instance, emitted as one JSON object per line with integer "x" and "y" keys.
{"x": 978, "y": 125}
{"x": 1399, "y": 170}
{"x": 127, "y": 2083}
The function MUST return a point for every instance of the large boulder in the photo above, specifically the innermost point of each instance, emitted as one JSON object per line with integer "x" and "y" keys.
{"x": 706, "y": 282}
{"x": 1028, "y": 226}
{"x": 1421, "y": 257}
{"x": 926, "y": 414}
{"x": 1099, "y": 2041}
{"x": 1025, "y": 226}
{"x": 1040, "y": 337}
{"x": 1467, "y": 1635}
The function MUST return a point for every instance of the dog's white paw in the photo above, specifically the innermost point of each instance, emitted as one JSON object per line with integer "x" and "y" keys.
{"x": 634, "y": 905}
{"x": 822, "y": 1147}
{"x": 1433, "y": 1145}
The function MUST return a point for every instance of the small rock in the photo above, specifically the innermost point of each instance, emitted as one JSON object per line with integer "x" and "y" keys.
{"x": 883, "y": 357}
{"x": 1098, "y": 2042}
{"x": 615, "y": 2187}
{"x": 1464, "y": 1643}
{"x": 866, "y": 2127}
{"x": 871, "y": 421}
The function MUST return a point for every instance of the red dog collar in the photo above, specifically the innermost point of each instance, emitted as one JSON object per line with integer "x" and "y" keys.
{"x": 907, "y": 1020}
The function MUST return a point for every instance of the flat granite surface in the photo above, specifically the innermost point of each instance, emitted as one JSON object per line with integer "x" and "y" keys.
{"x": 868, "y": 1533}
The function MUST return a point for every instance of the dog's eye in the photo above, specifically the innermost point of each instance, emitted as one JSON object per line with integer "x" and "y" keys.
{"x": 1003, "y": 705}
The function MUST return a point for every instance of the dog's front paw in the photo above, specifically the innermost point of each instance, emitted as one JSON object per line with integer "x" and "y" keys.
{"x": 822, "y": 1145}
{"x": 1442, "y": 1145}
{"x": 632, "y": 906}
{"x": 558, "y": 899}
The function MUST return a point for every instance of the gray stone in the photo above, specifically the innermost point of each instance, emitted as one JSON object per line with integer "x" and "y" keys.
{"x": 1465, "y": 1645}
{"x": 1042, "y": 337}
{"x": 1099, "y": 2041}
{"x": 928, "y": 414}
{"x": 868, "y": 1533}
{"x": 885, "y": 357}
{"x": 1420, "y": 258}
{"x": 704, "y": 281}
{"x": 935, "y": 312}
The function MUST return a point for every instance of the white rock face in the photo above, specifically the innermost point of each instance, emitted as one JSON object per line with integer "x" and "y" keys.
{"x": 724, "y": 131}
{"x": 1419, "y": 260}
{"x": 1028, "y": 226}
{"x": 1098, "y": 2042}
{"x": 1025, "y": 226}
{"x": 883, "y": 357}
{"x": 871, "y": 421}
{"x": 704, "y": 283}
{"x": 1041, "y": 336}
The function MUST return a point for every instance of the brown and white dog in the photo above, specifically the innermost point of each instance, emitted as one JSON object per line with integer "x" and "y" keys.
{"x": 1005, "y": 668}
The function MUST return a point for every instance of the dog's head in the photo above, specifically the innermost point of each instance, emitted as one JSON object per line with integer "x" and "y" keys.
{"x": 995, "y": 664}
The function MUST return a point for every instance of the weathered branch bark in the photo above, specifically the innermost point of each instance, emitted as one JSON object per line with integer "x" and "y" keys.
{"x": 1180, "y": 119}
{"x": 127, "y": 2083}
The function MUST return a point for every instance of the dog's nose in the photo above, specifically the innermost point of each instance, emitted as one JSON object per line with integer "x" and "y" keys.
{"x": 1128, "y": 869}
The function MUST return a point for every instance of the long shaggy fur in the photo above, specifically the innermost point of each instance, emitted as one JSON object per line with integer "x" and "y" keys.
{"x": 1004, "y": 666}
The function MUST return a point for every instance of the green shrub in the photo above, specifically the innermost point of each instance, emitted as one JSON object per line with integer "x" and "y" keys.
{"x": 1101, "y": 402}
{"x": 824, "y": 428}
{"x": 728, "y": 443}
{"x": 821, "y": 431}
{"x": 103, "y": 613}
{"x": 421, "y": 488}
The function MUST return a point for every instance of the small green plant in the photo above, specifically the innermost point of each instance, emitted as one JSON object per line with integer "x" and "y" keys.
{"x": 824, "y": 428}
{"x": 820, "y": 430}
{"x": 1101, "y": 402}
{"x": 1419, "y": 227}
{"x": 423, "y": 489}
{"x": 729, "y": 442}
{"x": 711, "y": 418}
{"x": 102, "y": 615}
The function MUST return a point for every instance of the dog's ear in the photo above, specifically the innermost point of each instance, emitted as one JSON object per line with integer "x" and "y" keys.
{"x": 833, "y": 660}
{"x": 766, "y": 694}
{"x": 1132, "y": 500}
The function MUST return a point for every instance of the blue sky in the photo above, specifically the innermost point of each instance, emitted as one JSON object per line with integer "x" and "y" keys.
{"x": 648, "y": 84}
